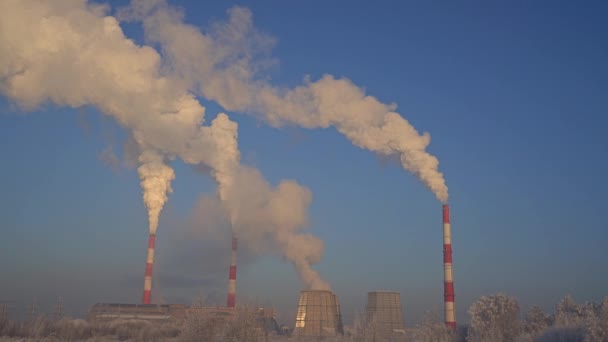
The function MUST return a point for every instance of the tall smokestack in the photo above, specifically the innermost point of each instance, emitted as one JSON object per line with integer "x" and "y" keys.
{"x": 149, "y": 266}
{"x": 448, "y": 285}
{"x": 232, "y": 275}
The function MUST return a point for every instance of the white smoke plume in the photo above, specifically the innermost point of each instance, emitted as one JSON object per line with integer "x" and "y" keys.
{"x": 71, "y": 53}
{"x": 221, "y": 65}
{"x": 259, "y": 211}
{"x": 156, "y": 179}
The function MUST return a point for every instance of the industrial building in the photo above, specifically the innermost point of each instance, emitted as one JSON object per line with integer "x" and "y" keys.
{"x": 383, "y": 316}
{"x": 115, "y": 311}
{"x": 318, "y": 314}
{"x": 177, "y": 313}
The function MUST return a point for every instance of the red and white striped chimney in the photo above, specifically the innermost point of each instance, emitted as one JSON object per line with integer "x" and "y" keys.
{"x": 149, "y": 266}
{"x": 232, "y": 275}
{"x": 448, "y": 284}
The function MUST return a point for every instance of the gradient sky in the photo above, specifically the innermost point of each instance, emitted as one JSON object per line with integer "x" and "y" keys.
{"x": 513, "y": 93}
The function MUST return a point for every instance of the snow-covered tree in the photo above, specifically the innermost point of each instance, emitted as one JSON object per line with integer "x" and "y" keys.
{"x": 494, "y": 319}
{"x": 569, "y": 314}
{"x": 589, "y": 318}
{"x": 431, "y": 330}
{"x": 536, "y": 321}
{"x": 562, "y": 334}
{"x": 596, "y": 322}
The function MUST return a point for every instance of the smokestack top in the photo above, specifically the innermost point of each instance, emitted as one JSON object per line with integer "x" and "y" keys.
{"x": 316, "y": 291}
{"x": 234, "y": 243}
{"x": 446, "y": 213}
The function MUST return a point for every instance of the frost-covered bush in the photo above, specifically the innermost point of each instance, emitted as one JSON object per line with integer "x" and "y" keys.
{"x": 591, "y": 319}
{"x": 39, "y": 327}
{"x": 599, "y": 329}
{"x": 570, "y": 314}
{"x": 536, "y": 321}
{"x": 494, "y": 318}
{"x": 244, "y": 328}
{"x": 197, "y": 327}
{"x": 72, "y": 329}
{"x": 562, "y": 335}
{"x": 431, "y": 330}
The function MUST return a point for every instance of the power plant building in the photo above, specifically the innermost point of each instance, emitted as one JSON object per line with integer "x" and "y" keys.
{"x": 383, "y": 316}
{"x": 265, "y": 317}
{"x": 318, "y": 314}
{"x": 149, "y": 312}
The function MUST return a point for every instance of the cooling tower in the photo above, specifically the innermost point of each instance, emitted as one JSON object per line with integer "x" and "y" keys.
{"x": 383, "y": 316}
{"x": 232, "y": 276}
{"x": 149, "y": 266}
{"x": 318, "y": 314}
{"x": 448, "y": 284}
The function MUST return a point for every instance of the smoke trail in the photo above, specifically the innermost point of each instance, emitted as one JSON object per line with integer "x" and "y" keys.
{"x": 259, "y": 211}
{"x": 221, "y": 65}
{"x": 156, "y": 180}
{"x": 71, "y": 53}
{"x": 68, "y": 52}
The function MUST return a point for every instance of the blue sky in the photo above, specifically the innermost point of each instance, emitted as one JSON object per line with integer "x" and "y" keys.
{"x": 512, "y": 93}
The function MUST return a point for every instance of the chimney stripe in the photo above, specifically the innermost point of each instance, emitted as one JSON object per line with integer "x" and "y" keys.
{"x": 147, "y": 295}
{"x": 149, "y": 266}
{"x": 448, "y": 280}
{"x": 446, "y": 213}
{"x": 231, "y": 300}
{"x": 447, "y": 254}
{"x": 448, "y": 291}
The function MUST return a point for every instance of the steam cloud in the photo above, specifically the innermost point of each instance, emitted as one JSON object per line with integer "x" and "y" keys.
{"x": 221, "y": 65}
{"x": 156, "y": 179}
{"x": 257, "y": 211}
{"x": 72, "y": 53}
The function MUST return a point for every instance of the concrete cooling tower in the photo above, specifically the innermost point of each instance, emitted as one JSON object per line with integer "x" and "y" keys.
{"x": 383, "y": 316}
{"x": 318, "y": 314}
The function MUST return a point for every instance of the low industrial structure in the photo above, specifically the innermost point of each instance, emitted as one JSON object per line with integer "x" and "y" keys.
{"x": 318, "y": 314}
{"x": 383, "y": 316}
{"x": 156, "y": 312}
{"x": 178, "y": 313}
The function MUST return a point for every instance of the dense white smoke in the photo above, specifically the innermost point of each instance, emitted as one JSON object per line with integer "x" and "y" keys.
{"x": 221, "y": 65}
{"x": 259, "y": 211}
{"x": 156, "y": 179}
{"x": 72, "y": 53}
